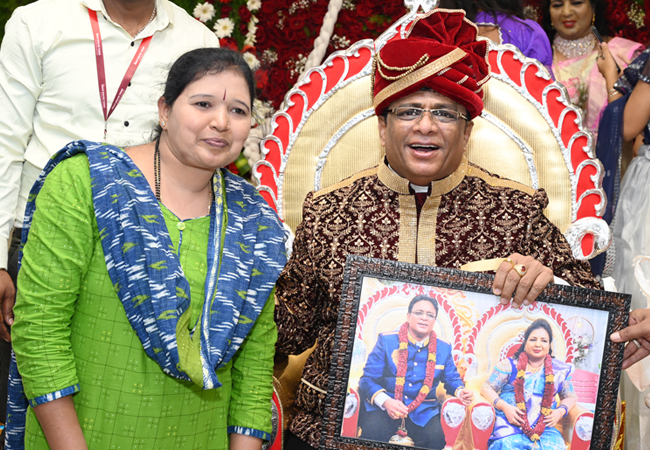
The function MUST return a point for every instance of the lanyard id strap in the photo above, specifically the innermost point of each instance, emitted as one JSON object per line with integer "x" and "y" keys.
{"x": 101, "y": 73}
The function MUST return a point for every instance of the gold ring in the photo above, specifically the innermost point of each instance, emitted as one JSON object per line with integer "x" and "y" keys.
{"x": 520, "y": 269}
{"x": 510, "y": 261}
{"x": 638, "y": 345}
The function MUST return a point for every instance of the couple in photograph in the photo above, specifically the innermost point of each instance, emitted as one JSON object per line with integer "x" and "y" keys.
{"x": 402, "y": 372}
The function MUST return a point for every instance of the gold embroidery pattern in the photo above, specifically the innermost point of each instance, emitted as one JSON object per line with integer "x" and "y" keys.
{"x": 419, "y": 75}
{"x": 408, "y": 233}
{"x": 475, "y": 219}
{"x": 406, "y": 70}
{"x": 427, "y": 231}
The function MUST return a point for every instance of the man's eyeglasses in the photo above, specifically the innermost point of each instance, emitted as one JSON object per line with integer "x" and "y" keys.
{"x": 442, "y": 116}
{"x": 422, "y": 314}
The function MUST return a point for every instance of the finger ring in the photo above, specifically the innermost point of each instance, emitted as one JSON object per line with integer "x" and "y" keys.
{"x": 638, "y": 345}
{"x": 520, "y": 269}
{"x": 510, "y": 261}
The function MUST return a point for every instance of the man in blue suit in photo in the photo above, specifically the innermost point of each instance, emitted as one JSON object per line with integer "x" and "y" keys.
{"x": 400, "y": 378}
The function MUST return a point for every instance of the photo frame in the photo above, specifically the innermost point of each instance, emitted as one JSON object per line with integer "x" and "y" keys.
{"x": 478, "y": 334}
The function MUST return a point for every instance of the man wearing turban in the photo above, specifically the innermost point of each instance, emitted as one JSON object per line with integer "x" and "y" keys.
{"x": 424, "y": 204}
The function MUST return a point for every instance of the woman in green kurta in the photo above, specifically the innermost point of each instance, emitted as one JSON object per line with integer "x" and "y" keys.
{"x": 108, "y": 357}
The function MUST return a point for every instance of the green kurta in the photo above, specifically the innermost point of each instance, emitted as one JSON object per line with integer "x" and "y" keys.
{"x": 70, "y": 328}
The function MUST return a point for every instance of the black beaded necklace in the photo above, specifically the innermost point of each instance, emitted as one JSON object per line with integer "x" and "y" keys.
{"x": 156, "y": 171}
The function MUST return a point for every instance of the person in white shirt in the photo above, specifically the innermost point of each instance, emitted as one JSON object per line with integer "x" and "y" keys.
{"x": 51, "y": 75}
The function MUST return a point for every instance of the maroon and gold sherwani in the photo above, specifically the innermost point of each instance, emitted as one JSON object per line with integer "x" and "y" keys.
{"x": 468, "y": 216}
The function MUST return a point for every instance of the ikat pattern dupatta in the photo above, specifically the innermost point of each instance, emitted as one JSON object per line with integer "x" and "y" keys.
{"x": 148, "y": 278}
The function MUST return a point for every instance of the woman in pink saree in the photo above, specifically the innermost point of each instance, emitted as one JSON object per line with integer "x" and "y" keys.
{"x": 575, "y": 51}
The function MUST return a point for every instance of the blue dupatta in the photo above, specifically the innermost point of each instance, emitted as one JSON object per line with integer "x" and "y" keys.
{"x": 149, "y": 280}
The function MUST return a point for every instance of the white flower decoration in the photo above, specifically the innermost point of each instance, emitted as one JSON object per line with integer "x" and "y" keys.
{"x": 224, "y": 27}
{"x": 204, "y": 12}
{"x": 251, "y": 60}
{"x": 250, "y": 39}
{"x": 254, "y": 5}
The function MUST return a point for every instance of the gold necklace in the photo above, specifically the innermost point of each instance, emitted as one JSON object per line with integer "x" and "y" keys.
{"x": 532, "y": 369}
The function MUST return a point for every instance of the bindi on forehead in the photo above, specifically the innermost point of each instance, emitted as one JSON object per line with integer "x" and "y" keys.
{"x": 224, "y": 94}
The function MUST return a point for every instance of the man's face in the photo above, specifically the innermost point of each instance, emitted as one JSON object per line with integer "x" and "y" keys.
{"x": 421, "y": 319}
{"x": 424, "y": 150}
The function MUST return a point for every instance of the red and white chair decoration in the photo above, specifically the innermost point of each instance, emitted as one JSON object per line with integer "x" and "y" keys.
{"x": 312, "y": 147}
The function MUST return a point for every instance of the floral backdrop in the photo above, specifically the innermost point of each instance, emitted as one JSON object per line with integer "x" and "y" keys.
{"x": 278, "y": 35}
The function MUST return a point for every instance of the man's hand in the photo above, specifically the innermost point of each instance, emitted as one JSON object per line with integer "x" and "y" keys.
{"x": 523, "y": 276}
{"x": 466, "y": 396}
{"x": 7, "y": 300}
{"x": 639, "y": 333}
{"x": 396, "y": 409}
{"x": 552, "y": 419}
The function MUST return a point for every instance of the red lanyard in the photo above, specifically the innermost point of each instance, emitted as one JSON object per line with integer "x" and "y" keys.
{"x": 101, "y": 74}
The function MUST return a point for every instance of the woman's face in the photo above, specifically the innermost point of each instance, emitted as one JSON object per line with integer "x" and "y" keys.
{"x": 538, "y": 344}
{"x": 209, "y": 122}
{"x": 571, "y": 18}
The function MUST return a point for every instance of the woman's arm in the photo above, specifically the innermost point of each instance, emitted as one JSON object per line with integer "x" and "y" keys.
{"x": 55, "y": 260}
{"x": 637, "y": 111}
{"x": 513, "y": 414}
{"x": 241, "y": 442}
{"x": 252, "y": 381}
{"x": 562, "y": 410}
{"x": 58, "y": 419}
{"x": 607, "y": 68}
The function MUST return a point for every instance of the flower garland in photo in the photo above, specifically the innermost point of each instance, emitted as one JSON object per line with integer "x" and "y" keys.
{"x": 402, "y": 359}
{"x": 547, "y": 399}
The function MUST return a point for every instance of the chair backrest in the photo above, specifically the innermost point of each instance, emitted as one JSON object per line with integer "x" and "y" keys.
{"x": 528, "y": 132}
{"x": 498, "y": 334}
{"x": 585, "y": 384}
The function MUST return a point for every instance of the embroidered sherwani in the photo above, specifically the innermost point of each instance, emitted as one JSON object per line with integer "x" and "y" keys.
{"x": 469, "y": 216}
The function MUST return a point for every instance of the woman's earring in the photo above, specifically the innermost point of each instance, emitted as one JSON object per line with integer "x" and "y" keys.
{"x": 593, "y": 20}
{"x": 162, "y": 123}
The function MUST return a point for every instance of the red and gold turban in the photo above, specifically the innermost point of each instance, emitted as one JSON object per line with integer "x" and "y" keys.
{"x": 440, "y": 51}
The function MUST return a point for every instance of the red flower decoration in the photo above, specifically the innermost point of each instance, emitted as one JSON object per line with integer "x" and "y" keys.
{"x": 547, "y": 399}
{"x": 228, "y": 43}
{"x": 402, "y": 358}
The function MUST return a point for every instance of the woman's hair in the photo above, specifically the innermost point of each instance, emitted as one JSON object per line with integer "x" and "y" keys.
{"x": 600, "y": 23}
{"x": 512, "y": 8}
{"x": 469, "y": 6}
{"x": 539, "y": 323}
{"x": 509, "y": 7}
{"x": 197, "y": 63}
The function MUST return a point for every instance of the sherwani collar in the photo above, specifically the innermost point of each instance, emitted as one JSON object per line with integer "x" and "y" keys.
{"x": 400, "y": 185}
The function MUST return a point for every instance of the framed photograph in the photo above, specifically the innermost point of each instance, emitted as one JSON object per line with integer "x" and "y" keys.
{"x": 423, "y": 354}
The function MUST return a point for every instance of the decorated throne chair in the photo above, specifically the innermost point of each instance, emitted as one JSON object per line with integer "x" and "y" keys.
{"x": 528, "y": 132}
